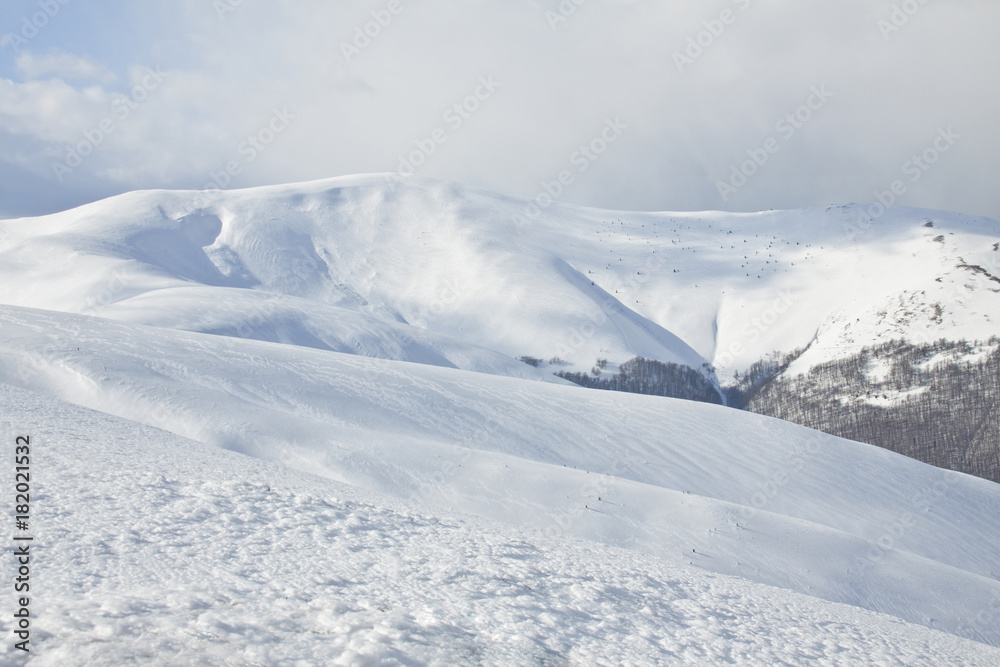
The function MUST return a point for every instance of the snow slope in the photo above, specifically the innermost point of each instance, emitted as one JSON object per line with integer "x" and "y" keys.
{"x": 692, "y": 483}
{"x": 433, "y": 272}
{"x": 158, "y": 550}
{"x": 369, "y": 335}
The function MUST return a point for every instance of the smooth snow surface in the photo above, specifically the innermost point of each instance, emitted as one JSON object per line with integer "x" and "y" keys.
{"x": 369, "y": 336}
{"x": 157, "y": 550}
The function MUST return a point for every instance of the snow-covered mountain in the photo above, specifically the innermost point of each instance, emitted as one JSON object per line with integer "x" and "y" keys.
{"x": 369, "y": 334}
{"x": 434, "y": 273}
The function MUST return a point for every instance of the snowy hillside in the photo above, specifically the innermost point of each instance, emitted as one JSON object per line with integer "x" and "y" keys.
{"x": 692, "y": 483}
{"x": 161, "y": 551}
{"x": 370, "y": 335}
{"x": 432, "y": 272}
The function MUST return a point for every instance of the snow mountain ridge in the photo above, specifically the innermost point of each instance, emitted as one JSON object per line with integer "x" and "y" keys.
{"x": 434, "y": 272}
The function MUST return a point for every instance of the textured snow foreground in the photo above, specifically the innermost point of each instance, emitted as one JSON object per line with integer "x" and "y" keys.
{"x": 692, "y": 483}
{"x": 155, "y": 549}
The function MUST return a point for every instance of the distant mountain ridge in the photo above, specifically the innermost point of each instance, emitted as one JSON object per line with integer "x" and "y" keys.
{"x": 437, "y": 273}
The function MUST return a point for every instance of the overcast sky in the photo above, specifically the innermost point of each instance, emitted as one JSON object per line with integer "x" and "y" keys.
{"x": 641, "y": 104}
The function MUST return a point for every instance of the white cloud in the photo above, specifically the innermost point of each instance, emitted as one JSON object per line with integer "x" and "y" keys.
{"x": 63, "y": 65}
{"x": 614, "y": 58}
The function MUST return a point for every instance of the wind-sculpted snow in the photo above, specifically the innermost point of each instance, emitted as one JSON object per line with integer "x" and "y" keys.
{"x": 692, "y": 483}
{"x": 452, "y": 267}
{"x": 161, "y": 551}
